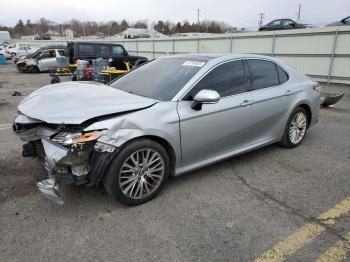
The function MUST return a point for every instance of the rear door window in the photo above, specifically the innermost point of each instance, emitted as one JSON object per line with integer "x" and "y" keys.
{"x": 61, "y": 52}
{"x": 86, "y": 49}
{"x": 262, "y": 74}
{"x": 102, "y": 51}
{"x": 287, "y": 22}
{"x": 276, "y": 23}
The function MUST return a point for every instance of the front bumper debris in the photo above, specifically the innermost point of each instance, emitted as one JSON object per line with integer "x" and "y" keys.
{"x": 49, "y": 189}
{"x": 82, "y": 162}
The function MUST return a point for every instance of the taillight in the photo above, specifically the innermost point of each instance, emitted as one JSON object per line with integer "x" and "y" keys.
{"x": 317, "y": 87}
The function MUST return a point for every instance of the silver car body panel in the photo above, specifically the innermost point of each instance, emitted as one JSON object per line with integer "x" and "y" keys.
{"x": 198, "y": 138}
{"x": 76, "y": 102}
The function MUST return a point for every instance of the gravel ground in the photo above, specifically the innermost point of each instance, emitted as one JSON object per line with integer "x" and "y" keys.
{"x": 230, "y": 211}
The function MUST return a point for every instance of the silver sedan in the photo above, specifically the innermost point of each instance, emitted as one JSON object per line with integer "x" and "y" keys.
{"x": 167, "y": 117}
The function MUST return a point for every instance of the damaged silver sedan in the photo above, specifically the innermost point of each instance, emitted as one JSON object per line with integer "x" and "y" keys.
{"x": 170, "y": 116}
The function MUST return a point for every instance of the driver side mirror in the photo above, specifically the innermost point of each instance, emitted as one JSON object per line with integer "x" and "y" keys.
{"x": 205, "y": 96}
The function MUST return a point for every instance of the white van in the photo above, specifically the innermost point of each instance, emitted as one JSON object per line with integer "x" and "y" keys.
{"x": 4, "y": 36}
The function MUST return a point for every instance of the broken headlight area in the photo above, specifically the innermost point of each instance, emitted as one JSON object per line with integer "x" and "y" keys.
{"x": 75, "y": 139}
{"x": 68, "y": 156}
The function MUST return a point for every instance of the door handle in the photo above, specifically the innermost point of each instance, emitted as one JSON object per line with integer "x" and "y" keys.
{"x": 246, "y": 103}
{"x": 289, "y": 92}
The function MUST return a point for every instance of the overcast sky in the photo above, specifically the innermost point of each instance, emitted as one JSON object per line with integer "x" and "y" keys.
{"x": 239, "y": 13}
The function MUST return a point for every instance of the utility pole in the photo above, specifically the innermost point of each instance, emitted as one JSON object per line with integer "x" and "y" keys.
{"x": 83, "y": 29}
{"x": 299, "y": 10}
{"x": 261, "y": 16}
{"x": 198, "y": 20}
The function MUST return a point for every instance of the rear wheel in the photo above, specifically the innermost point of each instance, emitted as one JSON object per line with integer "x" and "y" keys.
{"x": 296, "y": 128}
{"x": 138, "y": 172}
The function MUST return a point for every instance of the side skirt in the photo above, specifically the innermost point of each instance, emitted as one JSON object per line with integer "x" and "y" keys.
{"x": 215, "y": 159}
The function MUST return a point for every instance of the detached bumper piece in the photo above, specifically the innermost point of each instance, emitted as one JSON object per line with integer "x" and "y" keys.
{"x": 49, "y": 189}
{"x": 330, "y": 99}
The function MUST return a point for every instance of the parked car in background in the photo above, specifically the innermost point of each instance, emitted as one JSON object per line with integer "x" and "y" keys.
{"x": 92, "y": 50}
{"x": 168, "y": 117}
{"x": 4, "y": 53}
{"x": 345, "y": 21}
{"x": 282, "y": 24}
{"x": 12, "y": 49}
{"x": 42, "y": 60}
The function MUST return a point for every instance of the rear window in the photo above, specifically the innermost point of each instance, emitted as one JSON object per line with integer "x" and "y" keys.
{"x": 86, "y": 49}
{"x": 282, "y": 75}
{"x": 262, "y": 74}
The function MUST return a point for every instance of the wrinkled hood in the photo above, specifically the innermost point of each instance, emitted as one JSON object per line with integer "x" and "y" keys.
{"x": 76, "y": 102}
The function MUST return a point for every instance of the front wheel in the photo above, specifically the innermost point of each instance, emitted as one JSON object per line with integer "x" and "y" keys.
{"x": 34, "y": 70}
{"x": 138, "y": 172}
{"x": 296, "y": 128}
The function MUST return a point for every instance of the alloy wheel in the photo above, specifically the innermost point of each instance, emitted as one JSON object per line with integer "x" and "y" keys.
{"x": 141, "y": 173}
{"x": 297, "y": 128}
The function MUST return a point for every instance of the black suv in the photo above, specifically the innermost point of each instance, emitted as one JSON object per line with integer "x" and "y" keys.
{"x": 281, "y": 24}
{"x": 92, "y": 50}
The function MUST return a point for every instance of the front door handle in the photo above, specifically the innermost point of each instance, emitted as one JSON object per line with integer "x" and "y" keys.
{"x": 246, "y": 103}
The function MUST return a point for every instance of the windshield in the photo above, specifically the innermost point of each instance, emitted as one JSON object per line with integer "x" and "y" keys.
{"x": 35, "y": 54}
{"x": 159, "y": 79}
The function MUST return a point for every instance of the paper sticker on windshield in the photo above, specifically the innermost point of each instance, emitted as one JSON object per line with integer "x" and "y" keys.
{"x": 194, "y": 63}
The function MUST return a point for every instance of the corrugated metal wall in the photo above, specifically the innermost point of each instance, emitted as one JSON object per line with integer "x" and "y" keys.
{"x": 323, "y": 53}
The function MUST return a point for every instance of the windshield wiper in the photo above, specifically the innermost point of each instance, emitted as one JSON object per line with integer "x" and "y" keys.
{"x": 131, "y": 92}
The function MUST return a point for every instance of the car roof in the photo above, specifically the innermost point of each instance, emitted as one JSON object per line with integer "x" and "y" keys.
{"x": 219, "y": 56}
{"x": 53, "y": 47}
{"x": 92, "y": 42}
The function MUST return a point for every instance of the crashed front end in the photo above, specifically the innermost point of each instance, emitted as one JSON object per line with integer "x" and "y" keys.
{"x": 69, "y": 154}
{"x": 24, "y": 65}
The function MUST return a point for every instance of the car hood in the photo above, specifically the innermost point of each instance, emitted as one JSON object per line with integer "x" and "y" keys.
{"x": 76, "y": 102}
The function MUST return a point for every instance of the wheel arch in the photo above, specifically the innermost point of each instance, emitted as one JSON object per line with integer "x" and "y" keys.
{"x": 307, "y": 108}
{"x": 163, "y": 142}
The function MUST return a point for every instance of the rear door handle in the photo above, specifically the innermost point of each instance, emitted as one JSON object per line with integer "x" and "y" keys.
{"x": 246, "y": 103}
{"x": 289, "y": 92}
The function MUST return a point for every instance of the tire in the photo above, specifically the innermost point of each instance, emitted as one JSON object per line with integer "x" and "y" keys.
{"x": 34, "y": 70}
{"x": 55, "y": 80}
{"x": 138, "y": 62}
{"x": 130, "y": 187}
{"x": 297, "y": 121}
